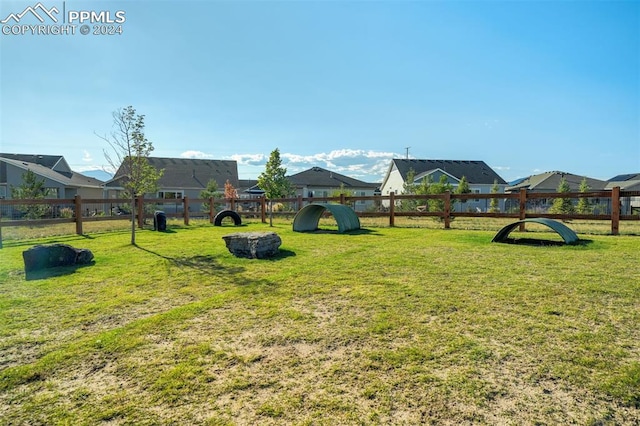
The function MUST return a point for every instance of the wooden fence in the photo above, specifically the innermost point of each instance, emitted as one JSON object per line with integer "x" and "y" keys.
{"x": 79, "y": 211}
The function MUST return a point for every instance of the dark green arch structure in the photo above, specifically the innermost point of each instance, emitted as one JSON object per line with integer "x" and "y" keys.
{"x": 566, "y": 233}
{"x": 308, "y": 217}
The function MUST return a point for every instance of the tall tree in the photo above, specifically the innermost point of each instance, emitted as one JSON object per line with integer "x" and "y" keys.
{"x": 273, "y": 181}
{"x": 211, "y": 190}
{"x": 494, "y": 205}
{"x": 584, "y": 207}
{"x": 562, "y": 205}
{"x": 409, "y": 187}
{"x": 229, "y": 192}
{"x": 463, "y": 188}
{"x": 130, "y": 152}
{"x": 31, "y": 188}
{"x": 441, "y": 187}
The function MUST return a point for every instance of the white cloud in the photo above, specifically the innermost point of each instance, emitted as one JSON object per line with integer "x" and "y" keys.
{"x": 366, "y": 165}
{"x": 196, "y": 154}
{"x": 86, "y": 157}
{"x": 249, "y": 159}
{"x": 356, "y": 163}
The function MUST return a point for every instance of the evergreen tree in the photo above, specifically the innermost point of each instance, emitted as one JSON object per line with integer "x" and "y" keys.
{"x": 31, "y": 188}
{"x": 562, "y": 205}
{"x": 409, "y": 187}
{"x": 211, "y": 190}
{"x": 494, "y": 205}
{"x": 584, "y": 207}
{"x": 443, "y": 185}
{"x": 463, "y": 188}
{"x": 273, "y": 181}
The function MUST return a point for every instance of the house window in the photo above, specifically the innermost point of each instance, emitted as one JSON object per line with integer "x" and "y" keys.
{"x": 52, "y": 193}
{"x": 3, "y": 191}
{"x": 476, "y": 191}
{"x": 170, "y": 195}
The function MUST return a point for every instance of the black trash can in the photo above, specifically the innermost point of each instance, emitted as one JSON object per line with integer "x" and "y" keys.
{"x": 159, "y": 221}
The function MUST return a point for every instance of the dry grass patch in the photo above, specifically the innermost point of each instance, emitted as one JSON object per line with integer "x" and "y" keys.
{"x": 389, "y": 326}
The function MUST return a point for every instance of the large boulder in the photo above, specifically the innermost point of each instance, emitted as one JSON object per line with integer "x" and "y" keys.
{"x": 253, "y": 245}
{"x": 54, "y": 255}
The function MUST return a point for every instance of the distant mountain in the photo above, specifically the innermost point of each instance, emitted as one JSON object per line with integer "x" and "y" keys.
{"x": 98, "y": 174}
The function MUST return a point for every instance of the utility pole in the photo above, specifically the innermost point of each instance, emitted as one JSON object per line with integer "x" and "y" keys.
{"x": 407, "y": 154}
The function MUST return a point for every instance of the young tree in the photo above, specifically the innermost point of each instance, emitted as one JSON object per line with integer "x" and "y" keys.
{"x": 342, "y": 189}
{"x": 562, "y": 205}
{"x": 441, "y": 187}
{"x": 584, "y": 207}
{"x": 494, "y": 205}
{"x": 229, "y": 192}
{"x": 273, "y": 181}
{"x": 130, "y": 151}
{"x": 409, "y": 187}
{"x": 31, "y": 188}
{"x": 211, "y": 190}
{"x": 463, "y": 188}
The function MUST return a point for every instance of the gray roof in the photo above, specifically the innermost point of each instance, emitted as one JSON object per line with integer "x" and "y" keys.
{"x": 626, "y": 182}
{"x": 476, "y": 172}
{"x": 70, "y": 179}
{"x": 625, "y": 177}
{"x": 549, "y": 182}
{"x": 48, "y": 161}
{"x": 190, "y": 173}
{"x": 322, "y": 178}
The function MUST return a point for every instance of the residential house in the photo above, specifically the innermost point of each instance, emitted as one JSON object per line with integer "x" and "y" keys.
{"x": 627, "y": 182}
{"x": 60, "y": 181}
{"x": 550, "y": 181}
{"x": 479, "y": 175}
{"x": 319, "y": 182}
{"x": 182, "y": 177}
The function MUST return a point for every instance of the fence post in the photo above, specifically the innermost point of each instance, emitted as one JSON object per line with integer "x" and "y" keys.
{"x": 211, "y": 210}
{"x": 232, "y": 204}
{"x": 263, "y": 209}
{"x": 77, "y": 201}
{"x": 392, "y": 208}
{"x": 299, "y": 202}
{"x": 615, "y": 210}
{"x": 523, "y": 207}
{"x": 447, "y": 210}
{"x": 185, "y": 200}
{"x": 341, "y": 198}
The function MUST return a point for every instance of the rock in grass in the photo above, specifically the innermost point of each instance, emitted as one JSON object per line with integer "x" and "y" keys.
{"x": 54, "y": 255}
{"x": 253, "y": 245}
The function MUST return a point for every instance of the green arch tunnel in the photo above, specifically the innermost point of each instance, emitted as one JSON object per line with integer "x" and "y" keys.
{"x": 308, "y": 217}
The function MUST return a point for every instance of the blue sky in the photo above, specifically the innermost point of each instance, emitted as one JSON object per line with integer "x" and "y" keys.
{"x": 525, "y": 86}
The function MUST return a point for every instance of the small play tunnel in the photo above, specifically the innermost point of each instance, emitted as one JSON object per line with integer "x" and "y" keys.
{"x": 307, "y": 219}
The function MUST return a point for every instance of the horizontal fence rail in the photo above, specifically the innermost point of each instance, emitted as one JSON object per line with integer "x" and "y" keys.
{"x": 614, "y": 206}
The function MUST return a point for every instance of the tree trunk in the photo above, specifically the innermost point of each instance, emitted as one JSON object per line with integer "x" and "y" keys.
{"x": 133, "y": 220}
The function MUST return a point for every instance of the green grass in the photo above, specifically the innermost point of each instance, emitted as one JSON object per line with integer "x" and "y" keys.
{"x": 384, "y": 326}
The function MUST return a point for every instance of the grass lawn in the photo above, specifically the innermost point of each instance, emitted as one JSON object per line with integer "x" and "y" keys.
{"x": 384, "y": 326}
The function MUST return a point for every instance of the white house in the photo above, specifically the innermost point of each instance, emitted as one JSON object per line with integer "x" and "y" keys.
{"x": 479, "y": 175}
